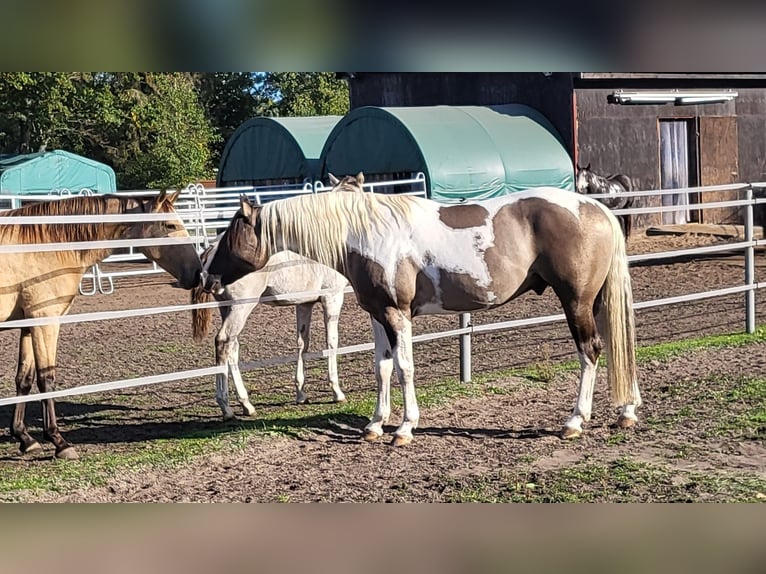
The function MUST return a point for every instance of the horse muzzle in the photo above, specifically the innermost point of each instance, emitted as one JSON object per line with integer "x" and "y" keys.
{"x": 210, "y": 283}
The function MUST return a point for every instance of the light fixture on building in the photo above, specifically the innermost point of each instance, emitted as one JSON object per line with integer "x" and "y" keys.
{"x": 678, "y": 97}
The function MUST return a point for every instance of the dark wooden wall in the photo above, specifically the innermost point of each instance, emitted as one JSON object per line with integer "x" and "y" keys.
{"x": 625, "y": 139}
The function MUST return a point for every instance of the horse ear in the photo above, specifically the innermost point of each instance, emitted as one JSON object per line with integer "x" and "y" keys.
{"x": 333, "y": 180}
{"x": 171, "y": 199}
{"x": 246, "y": 207}
{"x": 360, "y": 178}
{"x": 588, "y": 166}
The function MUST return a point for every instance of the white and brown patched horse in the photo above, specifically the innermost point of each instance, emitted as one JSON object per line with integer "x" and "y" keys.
{"x": 294, "y": 279}
{"x": 406, "y": 256}
{"x": 44, "y": 283}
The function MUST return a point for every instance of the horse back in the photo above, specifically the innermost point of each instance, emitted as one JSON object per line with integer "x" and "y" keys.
{"x": 624, "y": 181}
{"x": 477, "y": 256}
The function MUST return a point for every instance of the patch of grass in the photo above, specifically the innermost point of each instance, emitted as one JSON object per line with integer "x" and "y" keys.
{"x": 175, "y": 348}
{"x": 287, "y": 419}
{"x": 720, "y": 406}
{"x": 665, "y": 351}
{"x": 96, "y": 469}
{"x": 742, "y": 403}
{"x": 545, "y": 370}
{"x": 620, "y": 480}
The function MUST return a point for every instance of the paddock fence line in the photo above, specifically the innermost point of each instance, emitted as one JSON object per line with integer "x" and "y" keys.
{"x": 466, "y": 328}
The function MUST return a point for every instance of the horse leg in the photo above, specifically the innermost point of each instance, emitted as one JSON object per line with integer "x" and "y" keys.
{"x": 405, "y": 369}
{"x": 384, "y": 367}
{"x": 582, "y": 325}
{"x": 331, "y": 306}
{"x": 303, "y": 336}
{"x": 25, "y": 376}
{"x": 44, "y": 345}
{"x": 227, "y": 353}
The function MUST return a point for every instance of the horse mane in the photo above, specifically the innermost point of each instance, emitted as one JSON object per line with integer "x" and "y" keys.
{"x": 63, "y": 232}
{"x": 318, "y": 225}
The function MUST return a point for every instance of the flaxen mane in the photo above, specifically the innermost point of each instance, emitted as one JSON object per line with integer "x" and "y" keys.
{"x": 63, "y": 232}
{"x": 319, "y": 224}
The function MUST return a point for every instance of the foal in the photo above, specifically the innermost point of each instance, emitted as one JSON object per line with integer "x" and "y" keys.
{"x": 285, "y": 273}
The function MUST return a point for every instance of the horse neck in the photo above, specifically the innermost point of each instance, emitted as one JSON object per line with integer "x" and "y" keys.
{"x": 101, "y": 232}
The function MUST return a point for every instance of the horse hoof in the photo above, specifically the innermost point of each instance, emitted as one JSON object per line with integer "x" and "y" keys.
{"x": 340, "y": 400}
{"x": 33, "y": 448}
{"x": 370, "y": 436}
{"x": 68, "y": 453}
{"x": 400, "y": 440}
{"x": 569, "y": 433}
{"x": 625, "y": 422}
{"x": 248, "y": 411}
{"x": 228, "y": 417}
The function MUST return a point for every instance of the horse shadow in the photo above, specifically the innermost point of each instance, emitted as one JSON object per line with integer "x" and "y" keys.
{"x": 340, "y": 428}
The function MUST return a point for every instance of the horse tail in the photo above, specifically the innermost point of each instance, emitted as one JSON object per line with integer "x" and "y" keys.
{"x": 201, "y": 317}
{"x": 619, "y": 324}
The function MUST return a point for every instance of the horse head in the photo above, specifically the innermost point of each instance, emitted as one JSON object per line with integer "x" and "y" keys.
{"x": 238, "y": 252}
{"x": 352, "y": 183}
{"x": 182, "y": 260}
{"x": 584, "y": 178}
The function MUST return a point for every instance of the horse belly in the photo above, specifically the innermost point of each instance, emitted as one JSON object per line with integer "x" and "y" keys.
{"x": 454, "y": 293}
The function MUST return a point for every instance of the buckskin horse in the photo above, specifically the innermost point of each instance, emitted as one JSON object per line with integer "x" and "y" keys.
{"x": 407, "y": 256}
{"x": 44, "y": 283}
{"x": 588, "y": 182}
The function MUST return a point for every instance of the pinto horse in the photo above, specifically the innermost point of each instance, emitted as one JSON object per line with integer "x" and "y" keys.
{"x": 407, "y": 256}
{"x": 44, "y": 283}
{"x": 588, "y": 183}
{"x": 285, "y": 273}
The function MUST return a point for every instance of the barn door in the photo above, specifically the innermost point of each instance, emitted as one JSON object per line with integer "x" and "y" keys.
{"x": 674, "y": 168}
{"x": 719, "y": 160}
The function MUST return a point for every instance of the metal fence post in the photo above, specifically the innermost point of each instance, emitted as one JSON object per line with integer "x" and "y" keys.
{"x": 465, "y": 349}
{"x": 749, "y": 264}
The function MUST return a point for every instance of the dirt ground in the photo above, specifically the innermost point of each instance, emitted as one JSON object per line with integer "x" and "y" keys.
{"x": 478, "y": 442}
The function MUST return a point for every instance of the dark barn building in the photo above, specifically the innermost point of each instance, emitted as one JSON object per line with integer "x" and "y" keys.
{"x": 662, "y": 130}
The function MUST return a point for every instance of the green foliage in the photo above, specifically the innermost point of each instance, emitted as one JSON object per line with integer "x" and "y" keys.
{"x": 154, "y": 129}
{"x": 229, "y": 100}
{"x": 150, "y": 127}
{"x": 307, "y": 93}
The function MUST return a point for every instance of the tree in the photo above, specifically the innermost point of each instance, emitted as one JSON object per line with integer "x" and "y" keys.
{"x": 229, "y": 100}
{"x": 34, "y": 109}
{"x": 150, "y": 127}
{"x": 165, "y": 132}
{"x": 307, "y": 93}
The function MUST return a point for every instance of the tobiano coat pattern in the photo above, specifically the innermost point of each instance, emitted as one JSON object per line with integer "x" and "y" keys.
{"x": 407, "y": 256}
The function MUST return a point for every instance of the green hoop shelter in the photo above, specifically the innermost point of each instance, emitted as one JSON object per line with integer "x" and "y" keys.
{"x": 41, "y": 173}
{"x": 465, "y": 152}
{"x": 269, "y": 151}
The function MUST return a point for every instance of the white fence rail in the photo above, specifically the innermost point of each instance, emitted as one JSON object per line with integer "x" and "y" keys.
{"x": 466, "y": 328}
{"x": 205, "y": 213}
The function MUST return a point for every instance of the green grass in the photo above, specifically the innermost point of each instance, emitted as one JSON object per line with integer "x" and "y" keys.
{"x": 285, "y": 420}
{"x": 619, "y": 480}
{"x": 95, "y": 470}
{"x": 544, "y": 371}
